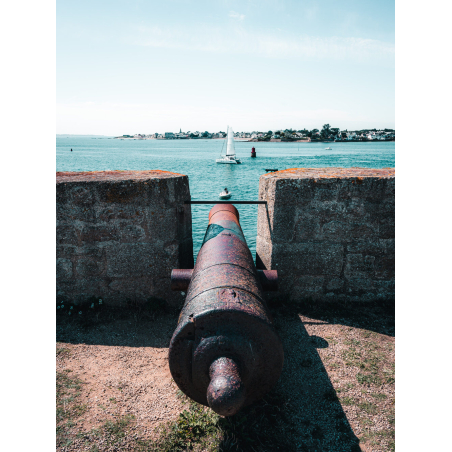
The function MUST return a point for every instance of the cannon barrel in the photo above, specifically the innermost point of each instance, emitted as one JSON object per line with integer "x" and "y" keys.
{"x": 225, "y": 352}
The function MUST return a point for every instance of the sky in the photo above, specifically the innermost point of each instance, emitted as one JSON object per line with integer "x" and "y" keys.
{"x": 140, "y": 66}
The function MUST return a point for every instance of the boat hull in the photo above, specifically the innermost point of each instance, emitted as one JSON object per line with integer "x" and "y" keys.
{"x": 229, "y": 162}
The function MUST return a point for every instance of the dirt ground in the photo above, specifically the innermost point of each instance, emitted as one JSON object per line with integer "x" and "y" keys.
{"x": 114, "y": 387}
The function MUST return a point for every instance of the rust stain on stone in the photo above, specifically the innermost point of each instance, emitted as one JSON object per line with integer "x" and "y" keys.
{"x": 112, "y": 176}
{"x": 332, "y": 173}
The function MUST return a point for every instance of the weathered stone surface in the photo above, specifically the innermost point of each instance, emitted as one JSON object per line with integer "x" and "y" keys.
{"x": 309, "y": 286}
{"x": 64, "y": 269}
{"x": 120, "y": 233}
{"x": 317, "y": 258}
{"x": 329, "y": 232}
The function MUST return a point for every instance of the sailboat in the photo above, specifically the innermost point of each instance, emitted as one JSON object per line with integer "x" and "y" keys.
{"x": 230, "y": 150}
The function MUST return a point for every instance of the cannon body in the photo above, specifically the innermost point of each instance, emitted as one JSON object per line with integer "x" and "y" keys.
{"x": 225, "y": 352}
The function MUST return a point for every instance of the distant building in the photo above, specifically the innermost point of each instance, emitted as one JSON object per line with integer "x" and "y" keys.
{"x": 169, "y": 135}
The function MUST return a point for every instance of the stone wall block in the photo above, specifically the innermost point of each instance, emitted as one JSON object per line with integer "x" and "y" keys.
{"x": 346, "y": 231}
{"x": 81, "y": 195}
{"x": 124, "y": 193}
{"x": 307, "y": 227}
{"x": 120, "y": 233}
{"x": 329, "y": 232}
{"x": 310, "y": 258}
{"x": 131, "y": 232}
{"x": 264, "y": 223}
{"x": 385, "y": 267}
{"x": 373, "y": 246}
{"x": 66, "y": 234}
{"x": 131, "y": 259}
{"x": 335, "y": 284}
{"x": 385, "y": 287}
{"x": 359, "y": 265}
{"x": 387, "y": 227}
{"x": 283, "y": 225}
{"x": 65, "y": 251}
{"x": 90, "y": 267}
{"x": 360, "y": 284}
{"x": 136, "y": 289}
{"x": 107, "y": 213}
{"x": 308, "y": 287}
{"x": 64, "y": 269}
{"x": 99, "y": 233}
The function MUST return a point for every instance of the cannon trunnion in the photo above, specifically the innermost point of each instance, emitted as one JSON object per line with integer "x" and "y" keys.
{"x": 225, "y": 352}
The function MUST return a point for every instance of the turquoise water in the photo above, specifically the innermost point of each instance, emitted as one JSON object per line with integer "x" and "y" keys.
{"x": 196, "y": 158}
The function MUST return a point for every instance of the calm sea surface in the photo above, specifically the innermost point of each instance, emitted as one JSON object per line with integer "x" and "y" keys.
{"x": 196, "y": 158}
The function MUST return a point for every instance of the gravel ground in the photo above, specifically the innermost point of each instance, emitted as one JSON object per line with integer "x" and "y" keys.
{"x": 338, "y": 379}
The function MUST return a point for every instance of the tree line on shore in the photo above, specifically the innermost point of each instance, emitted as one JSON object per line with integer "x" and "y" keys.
{"x": 327, "y": 133}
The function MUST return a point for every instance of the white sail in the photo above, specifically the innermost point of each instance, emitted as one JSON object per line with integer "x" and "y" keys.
{"x": 230, "y": 150}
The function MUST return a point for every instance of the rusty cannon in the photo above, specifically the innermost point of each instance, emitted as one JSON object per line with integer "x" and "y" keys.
{"x": 225, "y": 352}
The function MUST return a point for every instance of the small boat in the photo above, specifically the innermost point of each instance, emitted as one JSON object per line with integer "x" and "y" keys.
{"x": 328, "y": 149}
{"x": 225, "y": 194}
{"x": 230, "y": 150}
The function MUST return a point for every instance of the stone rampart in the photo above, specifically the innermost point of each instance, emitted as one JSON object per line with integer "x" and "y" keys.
{"x": 329, "y": 232}
{"x": 119, "y": 235}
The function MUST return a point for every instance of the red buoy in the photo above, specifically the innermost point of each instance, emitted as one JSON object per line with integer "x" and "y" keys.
{"x": 253, "y": 152}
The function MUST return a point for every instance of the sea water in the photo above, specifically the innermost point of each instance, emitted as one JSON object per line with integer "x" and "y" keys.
{"x": 196, "y": 159}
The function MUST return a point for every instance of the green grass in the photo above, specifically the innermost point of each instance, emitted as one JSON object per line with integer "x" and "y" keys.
{"x": 118, "y": 429}
{"x": 62, "y": 352}
{"x": 369, "y": 408}
{"x": 68, "y": 407}
{"x": 254, "y": 428}
{"x": 380, "y": 438}
{"x": 379, "y": 396}
{"x": 347, "y": 401}
{"x": 368, "y": 379}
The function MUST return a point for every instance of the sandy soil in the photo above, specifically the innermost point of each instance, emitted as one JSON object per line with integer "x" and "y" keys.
{"x": 338, "y": 376}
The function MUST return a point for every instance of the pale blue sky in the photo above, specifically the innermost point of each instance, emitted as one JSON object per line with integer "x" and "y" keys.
{"x": 147, "y": 66}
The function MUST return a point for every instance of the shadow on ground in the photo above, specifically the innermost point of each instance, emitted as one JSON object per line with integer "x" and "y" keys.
{"x": 373, "y": 316}
{"x": 317, "y": 420}
{"x": 124, "y": 327}
{"x": 302, "y": 413}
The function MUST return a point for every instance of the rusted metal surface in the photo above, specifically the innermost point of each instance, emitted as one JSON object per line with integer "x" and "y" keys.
{"x": 225, "y": 352}
{"x": 180, "y": 278}
{"x": 225, "y": 202}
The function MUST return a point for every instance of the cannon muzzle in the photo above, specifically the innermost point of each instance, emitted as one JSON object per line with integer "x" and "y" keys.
{"x": 225, "y": 352}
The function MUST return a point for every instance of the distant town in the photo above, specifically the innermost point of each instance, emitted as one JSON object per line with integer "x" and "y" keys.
{"x": 327, "y": 133}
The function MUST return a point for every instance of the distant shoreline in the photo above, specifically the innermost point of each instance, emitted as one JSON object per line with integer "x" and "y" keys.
{"x": 254, "y": 140}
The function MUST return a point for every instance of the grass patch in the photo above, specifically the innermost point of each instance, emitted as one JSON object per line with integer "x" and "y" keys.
{"x": 68, "y": 407}
{"x": 382, "y": 438}
{"x": 256, "y": 428}
{"x": 118, "y": 429}
{"x": 62, "y": 352}
{"x": 347, "y": 401}
{"x": 379, "y": 396}
{"x": 368, "y": 379}
{"x": 369, "y": 408}
{"x": 195, "y": 426}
